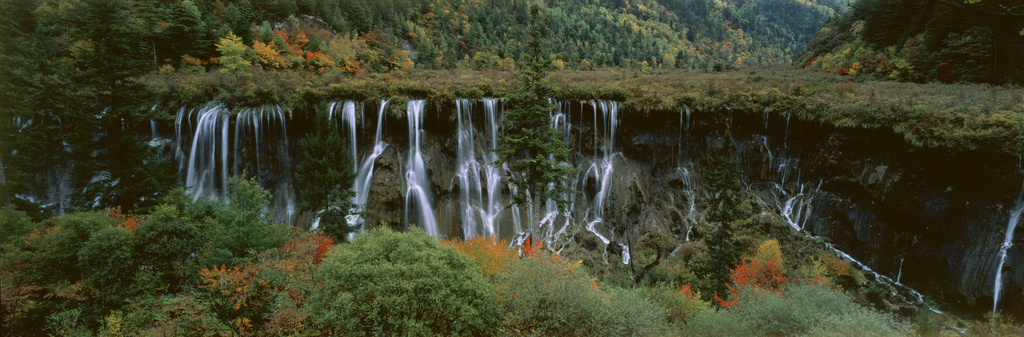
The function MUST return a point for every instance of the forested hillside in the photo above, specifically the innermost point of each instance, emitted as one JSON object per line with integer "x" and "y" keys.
{"x": 978, "y": 41}
{"x": 72, "y": 65}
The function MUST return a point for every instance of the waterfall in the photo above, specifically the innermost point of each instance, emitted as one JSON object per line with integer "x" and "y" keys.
{"x": 208, "y": 151}
{"x": 468, "y": 173}
{"x": 417, "y": 182}
{"x": 364, "y": 174}
{"x": 1018, "y": 207}
{"x": 602, "y": 167}
{"x": 492, "y": 174}
{"x": 348, "y": 119}
{"x": 480, "y": 194}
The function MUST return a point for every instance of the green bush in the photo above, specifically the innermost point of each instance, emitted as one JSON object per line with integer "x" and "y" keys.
{"x": 801, "y": 310}
{"x": 388, "y": 283}
{"x": 629, "y": 313}
{"x": 545, "y": 295}
{"x": 13, "y": 225}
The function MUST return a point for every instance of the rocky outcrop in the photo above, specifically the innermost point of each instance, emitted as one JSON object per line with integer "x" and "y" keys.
{"x": 930, "y": 218}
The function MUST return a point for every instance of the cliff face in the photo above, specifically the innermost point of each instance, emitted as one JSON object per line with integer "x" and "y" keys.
{"x": 930, "y": 218}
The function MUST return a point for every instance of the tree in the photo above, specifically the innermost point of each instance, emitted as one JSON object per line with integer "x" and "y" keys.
{"x": 232, "y": 52}
{"x": 723, "y": 178}
{"x": 535, "y": 149}
{"x": 388, "y": 283}
{"x": 327, "y": 177}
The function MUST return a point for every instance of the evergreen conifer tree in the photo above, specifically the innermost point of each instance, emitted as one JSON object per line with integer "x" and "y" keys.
{"x": 722, "y": 178}
{"x": 723, "y": 181}
{"x": 326, "y": 177}
{"x": 534, "y": 149}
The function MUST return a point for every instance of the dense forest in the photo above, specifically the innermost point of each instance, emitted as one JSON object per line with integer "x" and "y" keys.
{"x": 73, "y": 66}
{"x": 123, "y": 249}
{"x": 921, "y": 41}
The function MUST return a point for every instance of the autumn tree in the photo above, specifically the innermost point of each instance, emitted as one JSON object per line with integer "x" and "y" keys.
{"x": 232, "y": 52}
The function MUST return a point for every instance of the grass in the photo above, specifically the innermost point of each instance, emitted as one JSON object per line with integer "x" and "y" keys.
{"x": 959, "y": 116}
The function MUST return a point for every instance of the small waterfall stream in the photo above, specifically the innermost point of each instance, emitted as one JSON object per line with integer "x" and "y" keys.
{"x": 1011, "y": 226}
{"x": 418, "y": 204}
{"x": 364, "y": 173}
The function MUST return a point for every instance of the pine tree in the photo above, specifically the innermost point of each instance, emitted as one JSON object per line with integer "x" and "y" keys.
{"x": 327, "y": 178}
{"x": 535, "y": 150}
{"x": 722, "y": 178}
{"x": 723, "y": 181}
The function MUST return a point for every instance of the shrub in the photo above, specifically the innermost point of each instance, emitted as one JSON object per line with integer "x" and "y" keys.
{"x": 558, "y": 65}
{"x": 629, "y": 313}
{"x": 493, "y": 256}
{"x": 814, "y": 311}
{"x": 759, "y": 278}
{"x": 387, "y": 283}
{"x": 680, "y": 305}
{"x": 546, "y": 295}
{"x": 13, "y": 225}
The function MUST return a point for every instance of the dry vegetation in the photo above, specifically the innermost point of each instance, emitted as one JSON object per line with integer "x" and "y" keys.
{"x": 960, "y": 116}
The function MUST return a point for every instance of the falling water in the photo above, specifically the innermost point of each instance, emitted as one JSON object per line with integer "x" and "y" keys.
{"x": 364, "y": 174}
{"x": 603, "y": 166}
{"x": 348, "y": 119}
{"x": 467, "y": 172}
{"x": 207, "y": 153}
{"x": 207, "y": 146}
{"x": 264, "y": 130}
{"x": 1018, "y": 207}
{"x": 417, "y": 184}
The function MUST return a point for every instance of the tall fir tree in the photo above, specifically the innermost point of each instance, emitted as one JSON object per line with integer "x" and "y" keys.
{"x": 535, "y": 150}
{"x": 723, "y": 181}
{"x": 327, "y": 178}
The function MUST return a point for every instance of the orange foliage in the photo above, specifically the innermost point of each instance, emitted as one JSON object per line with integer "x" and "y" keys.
{"x": 492, "y": 255}
{"x": 763, "y": 278}
{"x": 17, "y": 293}
{"x": 530, "y": 248}
{"x": 127, "y": 221}
{"x": 249, "y": 289}
{"x": 836, "y": 267}
{"x": 351, "y": 68}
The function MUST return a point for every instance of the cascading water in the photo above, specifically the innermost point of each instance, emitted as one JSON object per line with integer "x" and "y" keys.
{"x": 468, "y": 173}
{"x": 602, "y": 167}
{"x": 208, "y": 154}
{"x": 348, "y": 120}
{"x": 417, "y": 194}
{"x": 1015, "y": 213}
{"x": 264, "y": 130}
{"x": 207, "y": 163}
{"x": 481, "y": 203}
{"x": 364, "y": 173}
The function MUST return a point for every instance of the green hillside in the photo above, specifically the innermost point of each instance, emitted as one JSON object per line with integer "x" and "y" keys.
{"x": 977, "y": 41}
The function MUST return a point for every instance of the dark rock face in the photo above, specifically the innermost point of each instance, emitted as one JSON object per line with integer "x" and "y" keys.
{"x": 933, "y": 217}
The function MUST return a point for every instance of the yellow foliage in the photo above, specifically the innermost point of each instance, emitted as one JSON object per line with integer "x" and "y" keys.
{"x": 508, "y": 64}
{"x": 558, "y": 65}
{"x": 770, "y": 251}
{"x": 269, "y": 57}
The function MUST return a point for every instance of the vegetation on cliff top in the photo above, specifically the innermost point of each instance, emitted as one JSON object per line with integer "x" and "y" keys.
{"x": 959, "y": 116}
